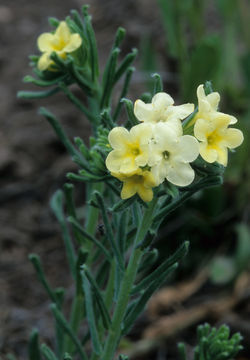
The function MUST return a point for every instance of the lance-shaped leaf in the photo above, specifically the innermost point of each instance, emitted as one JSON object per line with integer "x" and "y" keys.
{"x": 98, "y": 297}
{"x": 48, "y": 353}
{"x": 44, "y": 83}
{"x": 57, "y": 207}
{"x": 90, "y": 237}
{"x": 37, "y": 94}
{"x": 148, "y": 260}
{"x": 109, "y": 231}
{"x": 109, "y": 77}
{"x": 158, "y": 86}
{"x": 132, "y": 120}
{"x": 91, "y": 314}
{"x": 92, "y": 43}
{"x": 41, "y": 276}
{"x": 141, "y": 302}
{"x": 122, "y": 205}
{"x": 151, "y": 278}
{"x": 59, "y": 131}
{"x": 125, "y": 64}
{"x": 67, "y": 329}
{"x": 76, "y": 102}
{"x": 124, "y": 91}
{"x": 34, "y": 350}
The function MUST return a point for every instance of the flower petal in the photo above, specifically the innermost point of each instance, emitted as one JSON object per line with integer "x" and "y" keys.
{"x": 222, "y": 155}
{"x": 118, "y": 137}
{"x": 162, "y": 100}
{"x": 146, "y": 194}
{"x": 180, "y": 111}
{"x": 63, "y": 32}
{"x": 74, "y": 43}
{"x": 128, "y": 190}
{"x": 208, "y": 154}
{"x": 233, "y": 138}
{"x": 187, "y": 149}
{"x": 213, "y": 99}
{"x": 114, "y": 160}
{"x": 44, "y": 61}
{"x": 181, "y": 174}
{"x": 143, "y": 112}
{"x": 202, "y": 128}
{"x": 44, "y": 42}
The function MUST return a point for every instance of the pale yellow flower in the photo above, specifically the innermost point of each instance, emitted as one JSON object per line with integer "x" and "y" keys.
{"x": 162, "y": 109}
{"x": 61, "y": 42}
{"x": 208, "y": 104}
{"x": 170, "y": 155}
{"x": 139, "y": 182}
{"x": 211, "y": 129}
{"x": 215, "y": 137}
{"x": 130, "y": 148}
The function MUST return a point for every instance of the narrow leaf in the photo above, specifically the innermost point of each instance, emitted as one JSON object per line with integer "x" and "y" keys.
{"x": 34, "y": 350}
{"x": 99, "y": 298}
{"x": 57, "y": 207}
{"x": 64, "y": 324}
{"x": 143, "y": 299}
{"x": 91, "y": 315}
{"x": 90, "y": 237}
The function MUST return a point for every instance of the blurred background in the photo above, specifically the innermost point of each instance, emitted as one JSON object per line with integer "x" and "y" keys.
{"x": 187, "y": 42}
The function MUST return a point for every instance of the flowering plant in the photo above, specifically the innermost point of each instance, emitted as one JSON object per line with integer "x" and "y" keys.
{"x": 156, "y": 157}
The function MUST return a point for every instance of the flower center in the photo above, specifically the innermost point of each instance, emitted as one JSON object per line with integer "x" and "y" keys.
{"x": 213, "y": 138}
{"x": 138, "y": 179}
{"x": 166, "y": 155}
{"x": 135, "y": 151}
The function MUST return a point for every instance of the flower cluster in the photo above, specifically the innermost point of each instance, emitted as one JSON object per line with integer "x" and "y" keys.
{"x": 156, "y": 149}
{"x": 61, "y": 42}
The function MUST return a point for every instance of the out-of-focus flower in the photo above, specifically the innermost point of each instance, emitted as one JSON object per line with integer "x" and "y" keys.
{"x": 211, "y": 129}
{"x": 170, "y": 155}
{"x": 130, "y": 148}
{"x": 162, "y": 109}
{"x": 61, "y": 42}
{"x": 139, "y": 182}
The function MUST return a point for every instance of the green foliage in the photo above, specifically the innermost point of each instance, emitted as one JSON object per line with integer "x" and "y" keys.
{"x": 214, "y": 344}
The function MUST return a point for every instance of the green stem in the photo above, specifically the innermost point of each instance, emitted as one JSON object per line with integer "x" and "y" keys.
{"x": 127, "y": 283}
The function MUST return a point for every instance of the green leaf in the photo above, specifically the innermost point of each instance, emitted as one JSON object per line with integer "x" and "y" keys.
{"x": 66, "y": 327}
{"x": 154, "y": 276}
{"x": 41, "y": 276}
{"x": 122, "y": 205}
{"x": 109, "y": 230}
{"x": 34, "y": 351}
{"x": 57, "y": 207}
{"x": 119, "y": 36}
{"x": 124, "y": 91}
{"x": 91, "y": 314}
{"x": 158, "y": 85}
{"x": 48, "y": 353}
{"x": 109, "y": 77}
{"x": 90, "y": 237}
{"x": 92, "y": 43}
{"x": 98, "y": 297}
{"x": 30, "y": 95}
{"x": 125, "y": 64}
{"x": 132, "y": 120}
{"x": 140, "y": 304}
{"x": 59, "y": 131}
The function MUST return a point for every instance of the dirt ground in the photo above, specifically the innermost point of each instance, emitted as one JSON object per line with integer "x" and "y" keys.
{"x": 33, "y": 164}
